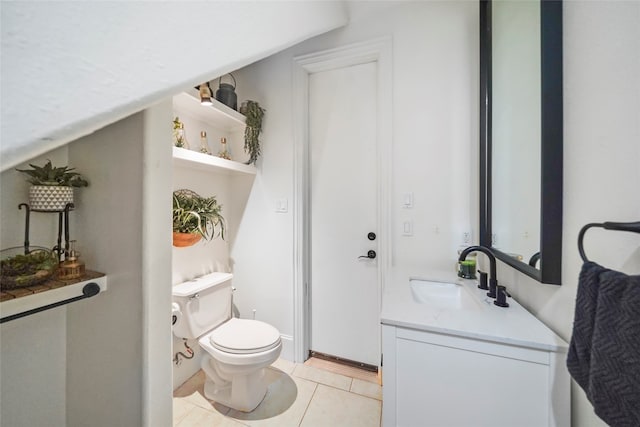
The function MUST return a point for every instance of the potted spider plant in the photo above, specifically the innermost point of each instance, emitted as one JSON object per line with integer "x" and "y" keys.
{"x": 195, "y": 217}
{"x": 52, "y": 187}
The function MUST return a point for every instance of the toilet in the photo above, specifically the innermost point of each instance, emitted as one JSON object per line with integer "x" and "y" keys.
{"x": 236, "y": 350}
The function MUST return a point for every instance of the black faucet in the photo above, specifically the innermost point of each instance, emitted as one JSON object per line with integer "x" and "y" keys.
{"x": 495, "y": 291}
{"x": 534, "y": 259}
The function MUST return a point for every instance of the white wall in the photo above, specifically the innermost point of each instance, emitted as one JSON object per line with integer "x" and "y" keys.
{"x": 95, "y": 362}
{"x": 33, "y": 362}
{"x": 104, "y": 346}
{"x": 435, "y": 86}
{"x": 156, "y": 267}
{"x": 78, "y": 66}
{"x": 601, "y": 157}
{"x": 118, "y": 343}
{"x": 32, "y": 369}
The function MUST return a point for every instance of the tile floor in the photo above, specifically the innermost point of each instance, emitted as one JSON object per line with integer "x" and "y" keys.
{"x": 316, "y": 393}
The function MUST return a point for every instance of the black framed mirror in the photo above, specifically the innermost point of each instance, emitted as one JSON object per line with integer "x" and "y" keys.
{"x": 521, "y": 113}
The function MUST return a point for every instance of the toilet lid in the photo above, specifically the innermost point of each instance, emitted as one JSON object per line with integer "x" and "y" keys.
{"x": 241, "y": 336}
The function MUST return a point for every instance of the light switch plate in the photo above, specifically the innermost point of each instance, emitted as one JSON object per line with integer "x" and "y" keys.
{"x": 282, "y": 206}
{"x": 407, "y": 200}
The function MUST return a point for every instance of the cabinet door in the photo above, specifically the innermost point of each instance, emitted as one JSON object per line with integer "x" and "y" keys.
{"x": 446, "y": 387}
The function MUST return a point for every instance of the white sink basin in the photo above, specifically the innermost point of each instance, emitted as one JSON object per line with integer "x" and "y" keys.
{"x": 441, "y": 294}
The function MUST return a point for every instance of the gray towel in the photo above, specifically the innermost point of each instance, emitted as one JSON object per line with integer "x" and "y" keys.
{"x": 604, "y": 353}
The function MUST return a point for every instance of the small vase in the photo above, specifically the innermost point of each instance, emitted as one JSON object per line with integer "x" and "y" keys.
{"x": 204, "y": 143}
{"x": 179, "y": 135}
{"x": 223, "y": 153}
{"x": 49, "y": 198}
{"x": 182, "y": 240}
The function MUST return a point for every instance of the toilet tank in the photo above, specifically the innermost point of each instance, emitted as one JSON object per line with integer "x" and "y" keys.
{"x": 205, "y": 302}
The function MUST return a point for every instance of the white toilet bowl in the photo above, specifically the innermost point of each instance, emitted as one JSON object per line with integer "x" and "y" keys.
{"x": 236, "y": 350}
{"x": 237, "y": 353}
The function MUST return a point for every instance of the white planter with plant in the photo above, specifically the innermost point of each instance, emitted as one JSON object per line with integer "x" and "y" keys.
{"x": 52, "y": 187}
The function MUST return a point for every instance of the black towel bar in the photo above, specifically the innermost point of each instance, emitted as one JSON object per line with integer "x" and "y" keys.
{"x": 88, "y": 290}
{"x": 633, "y": 227}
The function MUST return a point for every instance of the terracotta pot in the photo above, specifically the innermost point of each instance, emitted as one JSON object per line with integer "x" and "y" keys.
{"x": 182, "y": 240}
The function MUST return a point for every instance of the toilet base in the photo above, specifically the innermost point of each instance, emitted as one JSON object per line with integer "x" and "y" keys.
{"x": 242, "y": 392}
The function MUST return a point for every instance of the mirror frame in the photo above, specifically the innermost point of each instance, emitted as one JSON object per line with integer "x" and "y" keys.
{"x": 551, "y": 143}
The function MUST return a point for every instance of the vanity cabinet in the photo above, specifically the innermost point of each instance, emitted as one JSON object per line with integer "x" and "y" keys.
{"x": 438, "y": 379}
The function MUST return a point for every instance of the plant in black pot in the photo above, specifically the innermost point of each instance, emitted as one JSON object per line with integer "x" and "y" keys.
{"x": 52, "y": 187}
{"x": 195, "y": 217}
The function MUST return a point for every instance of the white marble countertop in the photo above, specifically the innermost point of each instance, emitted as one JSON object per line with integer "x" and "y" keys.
{"x": 513, "y": 325}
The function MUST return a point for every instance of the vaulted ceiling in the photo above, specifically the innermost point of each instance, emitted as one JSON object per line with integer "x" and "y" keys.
{"x": 70, "y": 68}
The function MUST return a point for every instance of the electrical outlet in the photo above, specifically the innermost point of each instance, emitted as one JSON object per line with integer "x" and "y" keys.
{"x": 407, "y": 228}
{"x": 466, "y": 237}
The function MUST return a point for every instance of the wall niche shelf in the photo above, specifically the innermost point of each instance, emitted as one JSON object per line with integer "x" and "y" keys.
{"x": 195, "y": 160}
{"x": 218, "y": 114}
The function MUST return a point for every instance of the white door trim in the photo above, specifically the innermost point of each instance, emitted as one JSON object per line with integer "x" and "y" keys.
{"x": 380, "y": 51}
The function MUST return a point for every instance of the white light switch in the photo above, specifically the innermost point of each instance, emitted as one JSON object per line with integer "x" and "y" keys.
{"x": 407, "y": 200}
{"x": 407, "y": 228}
{"x": 282, "y": 206}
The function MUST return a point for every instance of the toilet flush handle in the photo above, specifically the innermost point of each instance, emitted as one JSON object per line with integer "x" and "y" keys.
{"x": 194, "y": 296}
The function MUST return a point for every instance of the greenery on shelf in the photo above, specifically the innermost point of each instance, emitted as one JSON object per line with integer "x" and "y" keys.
{"x": 179, "y": 139}
{"x": 19, "y": 268}
{"x": 195, "y": 214}
{"x": 50, "y": 175}
{"x": 254, "y": 115}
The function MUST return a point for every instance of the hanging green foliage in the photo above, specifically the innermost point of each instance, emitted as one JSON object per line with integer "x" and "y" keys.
{"x": 254, "y": 115}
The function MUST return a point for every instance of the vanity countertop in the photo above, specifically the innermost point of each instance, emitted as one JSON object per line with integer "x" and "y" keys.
{"x": 485, "y": 321}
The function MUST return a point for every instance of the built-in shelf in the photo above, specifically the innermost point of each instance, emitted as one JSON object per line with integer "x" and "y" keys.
{"x": 218, "y": 114}
{"x": 194, "y": 159}
{"x": 21, "y": 300}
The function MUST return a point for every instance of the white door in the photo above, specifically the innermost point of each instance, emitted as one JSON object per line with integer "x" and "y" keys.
{"x": 343, "y": 205}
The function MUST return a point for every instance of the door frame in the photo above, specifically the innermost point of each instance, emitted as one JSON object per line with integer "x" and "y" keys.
{"x": 379, "y": 51}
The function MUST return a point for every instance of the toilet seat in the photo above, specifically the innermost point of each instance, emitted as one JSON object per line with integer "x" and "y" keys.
{"x": 244, "y": 336}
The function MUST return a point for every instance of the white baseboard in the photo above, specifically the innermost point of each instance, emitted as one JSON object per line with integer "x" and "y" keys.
{"x": 288, "y": 351}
